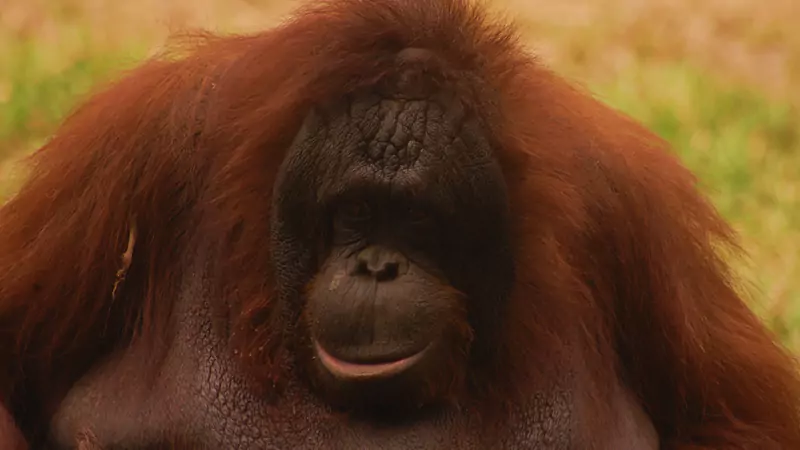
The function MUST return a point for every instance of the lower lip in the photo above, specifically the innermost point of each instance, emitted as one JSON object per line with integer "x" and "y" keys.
{"x": 352, "y": 371}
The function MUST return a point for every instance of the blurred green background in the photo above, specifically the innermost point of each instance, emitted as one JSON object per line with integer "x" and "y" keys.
{"x": 718, "y": 78}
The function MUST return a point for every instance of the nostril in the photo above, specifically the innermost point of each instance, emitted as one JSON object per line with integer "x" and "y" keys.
{"x": 389, "y": 271}
{"x": 362, "y": 268}
{"x": 379, "y": 263}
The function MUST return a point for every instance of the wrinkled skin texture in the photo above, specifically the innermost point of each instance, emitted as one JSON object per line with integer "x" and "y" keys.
{"x": 199, "y": 395}
{"x": 195, "y": 379}
{"x": 406, "y": 180}
{"x": 404, "y": 234}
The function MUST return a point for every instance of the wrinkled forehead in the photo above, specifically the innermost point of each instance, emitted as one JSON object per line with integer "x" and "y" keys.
{"x": 399, "y": 146}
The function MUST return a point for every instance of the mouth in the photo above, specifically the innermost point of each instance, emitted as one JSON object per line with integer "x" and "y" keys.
{"x": 348, "y": 370}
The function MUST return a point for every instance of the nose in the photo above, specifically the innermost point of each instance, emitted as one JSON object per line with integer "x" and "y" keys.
{"x": 380, "y": 263}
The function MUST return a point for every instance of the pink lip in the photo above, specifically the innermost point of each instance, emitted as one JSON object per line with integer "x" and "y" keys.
{"x": 347, "y": 370}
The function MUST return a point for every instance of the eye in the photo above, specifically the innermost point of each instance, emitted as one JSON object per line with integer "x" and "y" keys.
{"x": 351, "y": 212}
{"x": 417, "y": 215}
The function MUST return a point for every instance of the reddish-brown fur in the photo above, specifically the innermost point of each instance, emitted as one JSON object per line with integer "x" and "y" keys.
{"x": 617, "y": 252}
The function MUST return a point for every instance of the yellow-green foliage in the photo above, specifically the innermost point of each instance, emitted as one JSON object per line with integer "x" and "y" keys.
{"x": 717, "y": 78}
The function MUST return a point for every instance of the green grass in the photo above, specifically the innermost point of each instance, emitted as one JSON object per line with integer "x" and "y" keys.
{"x": 741, "y": 139}
{"x": 41, "y": 82}
{"x": 38, "y": 97}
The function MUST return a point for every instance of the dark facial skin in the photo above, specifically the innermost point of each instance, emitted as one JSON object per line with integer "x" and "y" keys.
{"x": 391, "y": 251}
{"x": 375, "y": 223}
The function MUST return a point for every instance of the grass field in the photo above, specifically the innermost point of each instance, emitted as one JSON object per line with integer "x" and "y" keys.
{"x": 717, "y": 78}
